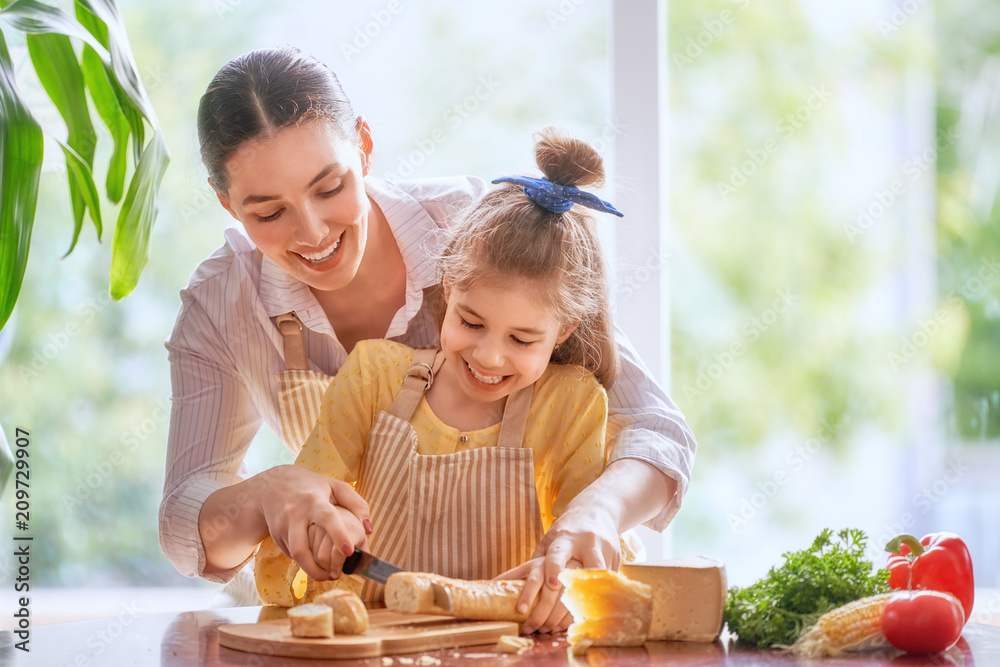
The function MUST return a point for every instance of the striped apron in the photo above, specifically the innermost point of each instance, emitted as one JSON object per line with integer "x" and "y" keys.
{"x": 468, "y": 515}
{"x": 300, "y": 390}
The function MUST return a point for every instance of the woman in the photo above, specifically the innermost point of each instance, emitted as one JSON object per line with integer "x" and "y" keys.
{"x": 330, "y": 252}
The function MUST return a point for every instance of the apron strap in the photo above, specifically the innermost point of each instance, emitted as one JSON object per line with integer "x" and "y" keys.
{"x": 290, "y": 327}
{"x": 426, "y": 362}
{"x": 515, "y": 417}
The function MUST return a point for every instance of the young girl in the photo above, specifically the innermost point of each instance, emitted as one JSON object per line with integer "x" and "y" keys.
{"x": 467, "y": 454}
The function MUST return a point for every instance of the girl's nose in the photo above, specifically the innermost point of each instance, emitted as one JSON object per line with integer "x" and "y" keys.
{"x": 488, "y": 355}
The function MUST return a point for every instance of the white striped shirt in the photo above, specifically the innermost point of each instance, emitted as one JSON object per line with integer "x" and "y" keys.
{"x": 225, "y": 352}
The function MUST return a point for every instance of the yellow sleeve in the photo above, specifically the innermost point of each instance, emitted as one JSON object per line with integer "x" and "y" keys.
{"x": 346, "y": 415}
{"x": 573, "y": 424}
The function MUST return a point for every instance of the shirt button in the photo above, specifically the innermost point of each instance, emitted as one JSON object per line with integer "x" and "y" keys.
{"x": 463, "y": 438}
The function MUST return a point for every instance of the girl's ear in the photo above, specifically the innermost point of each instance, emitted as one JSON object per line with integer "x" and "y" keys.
{"x": 567, "y": 332}
{"x": 445, "y": 288}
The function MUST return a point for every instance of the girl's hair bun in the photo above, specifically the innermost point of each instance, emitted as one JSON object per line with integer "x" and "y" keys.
{"x": 567, "y": 161}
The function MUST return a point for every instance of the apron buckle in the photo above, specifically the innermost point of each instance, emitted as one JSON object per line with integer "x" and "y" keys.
{"x": 416, "y": 373}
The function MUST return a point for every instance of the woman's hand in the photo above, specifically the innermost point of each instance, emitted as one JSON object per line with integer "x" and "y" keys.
{"x": 295, "y": 500}
{"x": 282, "y": 501}
{"x": 549, "y": 615}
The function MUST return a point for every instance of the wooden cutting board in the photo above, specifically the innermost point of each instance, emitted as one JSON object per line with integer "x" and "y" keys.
{"x": 389, "y": 633}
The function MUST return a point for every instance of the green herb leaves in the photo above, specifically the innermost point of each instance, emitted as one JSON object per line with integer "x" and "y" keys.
{"x": 832, "y": 572}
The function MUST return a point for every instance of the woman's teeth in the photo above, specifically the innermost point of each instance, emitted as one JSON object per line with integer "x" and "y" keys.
{"x": 485, "y": 379}
{"x": 319, "y": 257}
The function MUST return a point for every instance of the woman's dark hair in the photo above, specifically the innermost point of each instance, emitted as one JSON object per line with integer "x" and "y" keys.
{"x": 262, "y": 92}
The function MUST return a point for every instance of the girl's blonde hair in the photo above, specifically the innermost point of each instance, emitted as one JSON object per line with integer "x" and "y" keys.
{"x": 505, "y": 234}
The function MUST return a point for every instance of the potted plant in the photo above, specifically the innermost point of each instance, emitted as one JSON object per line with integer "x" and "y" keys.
{"x": 103, "y": 73}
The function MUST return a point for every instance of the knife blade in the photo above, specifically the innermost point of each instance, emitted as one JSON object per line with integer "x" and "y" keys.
{"x": 368, "y": 566}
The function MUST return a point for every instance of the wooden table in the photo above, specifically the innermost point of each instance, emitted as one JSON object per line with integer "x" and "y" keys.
{"x": 187, "y": 639}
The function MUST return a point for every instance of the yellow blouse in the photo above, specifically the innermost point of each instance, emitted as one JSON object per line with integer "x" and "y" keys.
{"x": 566, "y": 430}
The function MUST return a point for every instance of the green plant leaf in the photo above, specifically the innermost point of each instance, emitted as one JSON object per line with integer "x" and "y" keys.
{"x": 81, "y": 181}
{"x": 106, "y": 103}
{"x": 20, "y": 168}
{"x": 130, "y": 247}
{"x": 35, "y": 17}
{"x": 123, "y": 66}
{"x": 60, "y": 74}
{"x": 132, "y": 115}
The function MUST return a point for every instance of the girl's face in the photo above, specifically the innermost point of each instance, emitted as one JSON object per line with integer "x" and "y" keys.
{"x": 300, "y": 195}
{"x": 498, "y": 338}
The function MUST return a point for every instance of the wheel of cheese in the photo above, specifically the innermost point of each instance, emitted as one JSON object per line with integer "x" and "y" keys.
{"x": 689, "y": 597}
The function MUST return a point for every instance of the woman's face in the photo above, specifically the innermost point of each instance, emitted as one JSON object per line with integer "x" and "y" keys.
{"x": 300, "y": 195}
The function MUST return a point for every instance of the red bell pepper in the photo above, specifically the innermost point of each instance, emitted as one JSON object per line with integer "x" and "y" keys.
{"x": 938, "y": 562}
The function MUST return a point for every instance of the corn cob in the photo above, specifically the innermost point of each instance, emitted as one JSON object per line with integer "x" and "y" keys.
{"x": 853, "y": 626}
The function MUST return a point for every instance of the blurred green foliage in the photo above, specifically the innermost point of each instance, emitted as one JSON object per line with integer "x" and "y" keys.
{"x": 968, "y": 211}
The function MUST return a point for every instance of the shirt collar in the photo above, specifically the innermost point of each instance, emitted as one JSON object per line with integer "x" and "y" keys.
{"x": 417, "y": 236}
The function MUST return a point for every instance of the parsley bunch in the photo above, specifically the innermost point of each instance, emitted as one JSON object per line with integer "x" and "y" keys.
{"x": 779, "y": 607}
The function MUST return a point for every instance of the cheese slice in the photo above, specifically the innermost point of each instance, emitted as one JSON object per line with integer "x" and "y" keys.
{"x": 689, "y": 597}
{"x": 608, "y": 608}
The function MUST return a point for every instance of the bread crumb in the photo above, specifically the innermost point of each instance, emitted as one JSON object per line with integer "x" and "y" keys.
{"x": 386, "y": 662}
{"x": 514, "y": 644}
{"x": 405, "y": 661}
{"x": 428, "y": 660}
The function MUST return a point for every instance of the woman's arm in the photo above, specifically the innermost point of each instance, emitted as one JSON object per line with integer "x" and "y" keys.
{"x": 283, "y": 501}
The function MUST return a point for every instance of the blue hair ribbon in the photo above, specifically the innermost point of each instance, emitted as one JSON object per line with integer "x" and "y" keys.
{"x": 558, "y": 198}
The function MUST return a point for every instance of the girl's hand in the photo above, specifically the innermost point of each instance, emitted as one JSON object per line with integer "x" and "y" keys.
{"x": 326, "y": 553}
{"x": 293, "y": 499}
{"x": 549, "y": 615}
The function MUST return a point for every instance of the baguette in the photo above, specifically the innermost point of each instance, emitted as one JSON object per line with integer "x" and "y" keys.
{"x": 311, "y": 620}
{"x": 480, "y": 600}
{"x": 350, "y": 617}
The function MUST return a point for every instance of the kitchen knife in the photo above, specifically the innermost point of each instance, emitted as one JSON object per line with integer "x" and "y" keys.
{"x": 369, "y": 567}
{"x": 364, "y": 564}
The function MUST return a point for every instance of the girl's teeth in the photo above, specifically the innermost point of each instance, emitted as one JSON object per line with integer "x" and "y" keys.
{"x": 319, "y": 257}
{"x": 486, "y": 379}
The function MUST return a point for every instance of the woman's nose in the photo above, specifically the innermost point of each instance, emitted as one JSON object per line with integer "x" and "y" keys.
{"x": 310, "y": 230}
